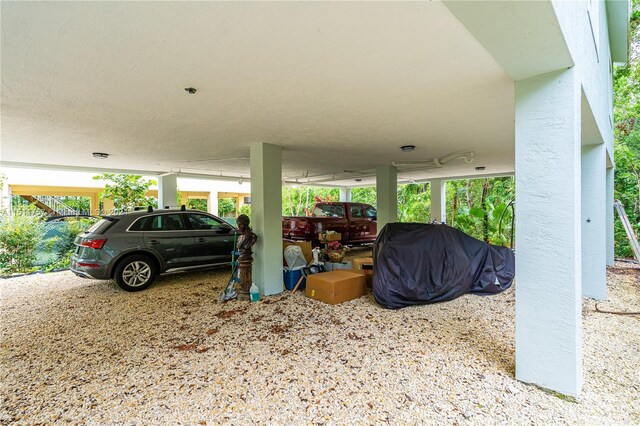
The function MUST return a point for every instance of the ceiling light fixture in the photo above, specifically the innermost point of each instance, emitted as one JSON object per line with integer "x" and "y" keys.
{"x": 241, "y": 180}
{"x": 358, "y": 180}
{"x": 480, "y": 168}
{"x": 100, "y": 155}
{"x": 407, "y": 148}
{"x": 190, "y": 90}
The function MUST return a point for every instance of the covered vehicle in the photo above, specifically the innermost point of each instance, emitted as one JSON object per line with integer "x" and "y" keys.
{"x": 416, "y": 263}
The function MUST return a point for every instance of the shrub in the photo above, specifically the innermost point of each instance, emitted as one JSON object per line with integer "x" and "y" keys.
{"x": 20, "y": 236}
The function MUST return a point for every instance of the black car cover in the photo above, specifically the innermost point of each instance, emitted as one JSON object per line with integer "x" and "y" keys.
{"x": 417, "y": 263}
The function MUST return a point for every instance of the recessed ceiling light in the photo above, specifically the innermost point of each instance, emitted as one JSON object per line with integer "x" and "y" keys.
{"x": 190, "y": 90}
{"x": 101, "y": 155}
{"x": 407, "y": 148}
{"x": 480, "y": 168}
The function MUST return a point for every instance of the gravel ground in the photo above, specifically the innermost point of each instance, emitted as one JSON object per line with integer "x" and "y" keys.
{"x": 83, "y": 351}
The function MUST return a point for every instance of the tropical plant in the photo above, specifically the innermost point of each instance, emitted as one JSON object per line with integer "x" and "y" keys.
{"x": 226, "y": 206}
{"x": 126, "y": 191}
{"x": 20, "y": 236}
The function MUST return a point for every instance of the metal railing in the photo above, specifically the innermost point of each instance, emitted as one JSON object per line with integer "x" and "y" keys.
{"x": 61, "y": 208}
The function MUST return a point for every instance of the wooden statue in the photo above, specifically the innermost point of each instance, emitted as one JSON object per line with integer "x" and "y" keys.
{"x": 244, "y": 246}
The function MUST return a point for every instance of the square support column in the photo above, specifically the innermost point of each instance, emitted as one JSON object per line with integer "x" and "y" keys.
{"x": 548, "y": 232}
{"x": 438, "y": 189}
{"x": 168, "y": 191}
{"x": 610, "y": 218}
{"x": 345, "y": 195}
{"x": 387, "y": 195}
{"x": 212, "y": 202}
{"x": 266, "y": 216}
{"x": 594, "y": 221}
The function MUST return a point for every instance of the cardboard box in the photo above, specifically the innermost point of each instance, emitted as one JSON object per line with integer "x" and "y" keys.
{"x": 304, "y": 245}
{"x": 361, "y": 261}
{"x": 364, "y": 264}
{"x": 325, "y": 238}
{"x": 336, "y": 286}
{"x": 334, "y": 266}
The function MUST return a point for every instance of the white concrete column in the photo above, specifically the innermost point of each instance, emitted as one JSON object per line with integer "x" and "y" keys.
{"x": 387, "y": 195}
{"x": 168, "y": 191}
{"x": 212, "y": 202}
{"x": 438, "y": 200}
{"x": 610, "y": 218}
{"x": 266, "y": 216}
{"x": 548, "y": 232}
{"x": 594, "y": 221}
{"x": 345, "y": 195}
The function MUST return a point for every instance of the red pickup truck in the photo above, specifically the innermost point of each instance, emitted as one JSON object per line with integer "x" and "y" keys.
{"x": 356, "y": 222}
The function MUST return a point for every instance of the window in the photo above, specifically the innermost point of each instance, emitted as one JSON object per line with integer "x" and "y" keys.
{"x": 370, "y": 212}
{"x": 327, "y": 210}
{"x": 140, "y": 224}
{"x": 356, "y": 211}
{"x": 201, "y": 221}
{"x": 166, "y": 222}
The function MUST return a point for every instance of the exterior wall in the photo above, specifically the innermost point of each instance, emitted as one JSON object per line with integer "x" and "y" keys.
{"x": 592, "y": 63}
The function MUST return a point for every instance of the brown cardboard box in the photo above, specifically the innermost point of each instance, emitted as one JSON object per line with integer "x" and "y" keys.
{"x": 325, "y": 238}
{"x": 304, "y": 245}
{"x": 364, "y": 264}
{"x": 336, "y": 286}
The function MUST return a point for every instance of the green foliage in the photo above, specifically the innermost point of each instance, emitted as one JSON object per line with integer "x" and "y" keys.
{"x": 626, "y": 83}
{"x": 414, "y": 202}
{"x": 246, "y": 209}
{"x": 295, "y": 201}
{"x": 475, "y": 207}
{"x": 63, "y": 244}
{"x": 197, "y": 204}
{"x": 20, "y": 236}
{"x": 365, "y": 195}
{"x": 126, "y": 191}
{"x": 226, "y": 206}
{"x": 81, "y": 205}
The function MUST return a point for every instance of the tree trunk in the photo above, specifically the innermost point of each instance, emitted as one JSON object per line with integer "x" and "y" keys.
{"x": 483, "y": 202}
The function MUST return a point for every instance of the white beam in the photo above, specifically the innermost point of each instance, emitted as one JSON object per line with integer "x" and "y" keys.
{"x": 345, "y": 195}
{"x": 387, "y": 195}
{"x": 266, "y": 216}
{"x": 548, "y": 232}
{"x": 212, "y": 203}
{"x": 594, "y": 221}
{"x": 438, "y": 200}
{"x": 168, "y": 191}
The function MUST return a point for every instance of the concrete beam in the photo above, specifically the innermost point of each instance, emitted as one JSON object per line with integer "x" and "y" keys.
{"x": 438, "y": 200}
{"x": 594, "y": 221}
{"x": 212, "y": 203}
{"x": 548, "y": 232}
{"x": 387, "y": 195}
{"x": 168, "y": 191}
{"x": 345, "y": 194}
{"x": 266, "y": 216}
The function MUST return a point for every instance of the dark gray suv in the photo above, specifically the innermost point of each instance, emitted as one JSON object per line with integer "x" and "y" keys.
{"x": 133, "y": 248}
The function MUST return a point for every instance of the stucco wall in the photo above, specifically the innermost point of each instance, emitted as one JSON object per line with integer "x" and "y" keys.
{"x": 593, "y": 65}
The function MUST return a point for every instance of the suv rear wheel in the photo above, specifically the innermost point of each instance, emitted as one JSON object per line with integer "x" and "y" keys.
{"x": 135, "y": 273}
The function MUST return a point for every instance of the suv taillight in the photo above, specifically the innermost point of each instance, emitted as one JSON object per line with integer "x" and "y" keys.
{"x": 94, "y": 244}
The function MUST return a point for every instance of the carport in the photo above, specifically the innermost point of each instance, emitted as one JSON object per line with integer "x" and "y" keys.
{"x": 326, "y": 94}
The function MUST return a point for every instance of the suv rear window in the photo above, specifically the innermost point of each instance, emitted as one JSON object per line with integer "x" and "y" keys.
{"x": 100, "y": 226}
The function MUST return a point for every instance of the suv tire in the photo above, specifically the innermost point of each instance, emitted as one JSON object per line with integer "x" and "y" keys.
{"x": 135, "y": 273}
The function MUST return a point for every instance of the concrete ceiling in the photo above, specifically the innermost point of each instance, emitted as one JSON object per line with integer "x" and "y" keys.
{"x": 340, "y": 86}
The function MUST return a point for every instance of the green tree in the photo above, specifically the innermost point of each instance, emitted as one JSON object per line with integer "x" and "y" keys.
{"x": 626, "y": 83}
{"x": 126, "y": 191}
{"x": 226, "y": 206}
{"x": 198, "y": 204}
{"x": 20, "y": 236}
